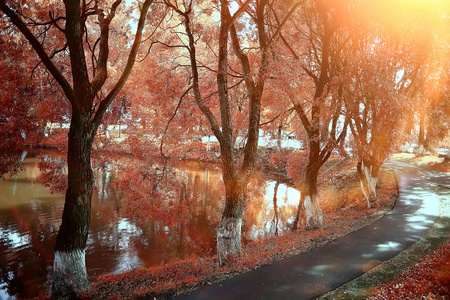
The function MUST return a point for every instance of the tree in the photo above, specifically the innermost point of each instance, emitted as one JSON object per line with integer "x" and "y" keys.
{"x": 373, "y": 101}
{"x": 19, "y": 120}
{"x": 434, "y": 129}
{"x": 251, "y": 69}
{"x": 316, "y": 95}
{"x": 159, "y": 117}
{"x": 430, "y": 104}
{"x": 420, "y": 33}
{"x": 82, "y": 86}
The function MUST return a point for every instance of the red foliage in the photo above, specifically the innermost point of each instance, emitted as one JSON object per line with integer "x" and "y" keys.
{"x": 56, "y": 138}
{"x": 151, "y": 192}
{"x": 169, "y": 280}
{"x": 296, "y": 165}
{"x": 427, "y": 279}
{"x": 53, "y": 172}
{"x": 279, "y": 159}
{"x": 10, "y": 163}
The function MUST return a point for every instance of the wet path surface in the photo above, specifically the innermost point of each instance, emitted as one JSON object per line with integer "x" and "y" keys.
{"x": 318, "y": 271}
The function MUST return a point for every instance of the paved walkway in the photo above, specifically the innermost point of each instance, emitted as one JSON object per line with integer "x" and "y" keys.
{"x": 311, "y": 274}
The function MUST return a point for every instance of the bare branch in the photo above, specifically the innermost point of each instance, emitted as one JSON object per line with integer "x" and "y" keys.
{"x": 289, "y": 14}
{"x": 170, "y": 120}
{"x": 239, "y": 12}
{"x": 37, "y": 46}
{"x": 128, "y": 67}
{"x": 102, "y": 64}
{"x": 303, "y": 117}
{"x": 268, "y": 122}
{"x": 58, "y": 51}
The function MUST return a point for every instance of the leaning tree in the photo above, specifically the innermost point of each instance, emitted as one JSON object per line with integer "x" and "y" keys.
{"x": 312, "y": 79}
{"x": 395, "y": 74}
{"x": 79, "y": 63}
{"x": 249, "y": 69}
{"x": 373, "y": 102}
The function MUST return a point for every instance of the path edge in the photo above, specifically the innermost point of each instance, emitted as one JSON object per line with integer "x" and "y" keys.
{"x": 365, "y": 285}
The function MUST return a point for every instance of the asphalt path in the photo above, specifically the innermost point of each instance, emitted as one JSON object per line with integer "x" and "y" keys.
{"x": 313, "y": 273}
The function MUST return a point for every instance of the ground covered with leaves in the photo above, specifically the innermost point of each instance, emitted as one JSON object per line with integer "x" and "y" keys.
{"x": 429, "y": 278}
{"x": 345, "y": 211}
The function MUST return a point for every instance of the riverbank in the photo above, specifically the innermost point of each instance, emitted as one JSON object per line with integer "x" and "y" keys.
{"x": 345, "y": 211}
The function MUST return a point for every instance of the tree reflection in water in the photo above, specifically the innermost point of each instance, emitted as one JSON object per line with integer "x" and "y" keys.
{"x": 139, "y": 217}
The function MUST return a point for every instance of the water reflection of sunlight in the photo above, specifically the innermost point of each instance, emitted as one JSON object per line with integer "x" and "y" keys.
{"x": 3, "y": 292}
{"x": 289, "y": 195}
{"x": 127, "y": 230}
{"x": 319, "y": 269}
{"x": 127, "y": 260}
{"x": 35, "y": 206}
{"x": 14, "y": 239}
{"x": 125, "y": 225}
{"x": 388, "y": 246}
{"x": 272, "y": 217}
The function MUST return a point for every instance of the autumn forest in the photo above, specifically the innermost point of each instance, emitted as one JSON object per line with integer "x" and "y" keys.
{"x": 170, "y": 104}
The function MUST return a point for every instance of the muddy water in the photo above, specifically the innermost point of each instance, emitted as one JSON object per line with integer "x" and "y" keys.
{"x": 30, "y": 217}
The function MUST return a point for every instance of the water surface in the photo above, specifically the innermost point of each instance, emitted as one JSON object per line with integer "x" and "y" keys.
{"x": 30, "y": 216}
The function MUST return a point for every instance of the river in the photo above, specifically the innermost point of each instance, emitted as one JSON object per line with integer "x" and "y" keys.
{"x": 125, "y": 232}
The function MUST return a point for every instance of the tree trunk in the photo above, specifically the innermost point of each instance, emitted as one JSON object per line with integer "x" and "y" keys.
{"x": 279, "y": 137}
{"x": 300, "y": 212}
{"x": 229, "y": 230}
{"x": 447, "y": 156}
{"x": 106, "y": 131}
{"x": 422, "y": 144}
{"x": 69, "y": 268}
{"x": 313, "y": 212}
{"x": 368, "y": 178}
{"x": 276, "y": 218}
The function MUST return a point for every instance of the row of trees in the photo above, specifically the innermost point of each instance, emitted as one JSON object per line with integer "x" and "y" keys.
{"x": 337, "y": 72}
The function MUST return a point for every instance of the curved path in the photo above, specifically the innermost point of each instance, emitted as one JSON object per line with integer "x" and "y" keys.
{"x": 311, "y": 274}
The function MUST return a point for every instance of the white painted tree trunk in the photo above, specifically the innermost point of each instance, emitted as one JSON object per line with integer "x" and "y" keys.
{"x": 279, "y": 136}
{"x": 228, "y": 239}
{"x": 69, "y": 274}
{"x": 23, "y": 156}
{"x": 368, "y": 184}
{"x": 365, "y": 190}
{"x": 106, "y": 131}
{"x": 313, "y": 212}
{"x": 420, "y": 150}
{"x": 373, "y": 186}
